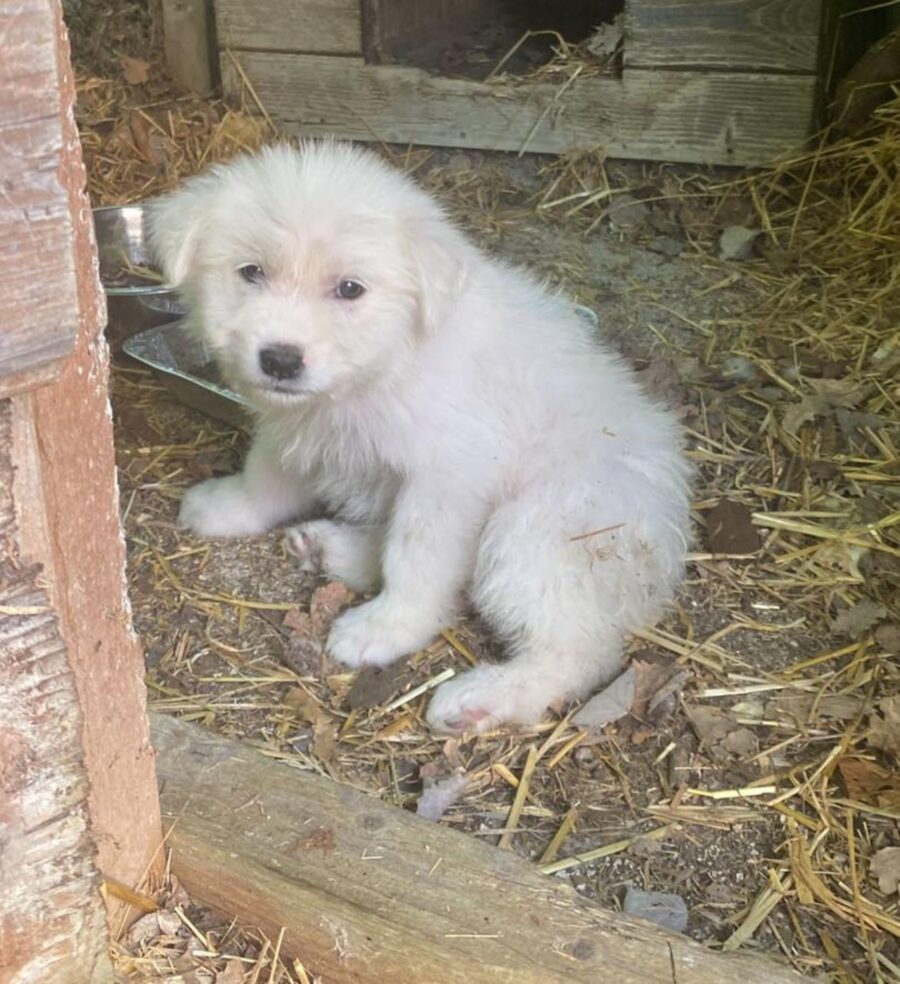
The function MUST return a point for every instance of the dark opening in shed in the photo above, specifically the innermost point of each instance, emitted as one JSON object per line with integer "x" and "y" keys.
{"x": 468, "y": 38}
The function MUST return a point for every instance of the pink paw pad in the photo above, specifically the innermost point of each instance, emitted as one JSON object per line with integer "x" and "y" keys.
{"x": 304, "y": 547}
{"x": 469, "y": 718}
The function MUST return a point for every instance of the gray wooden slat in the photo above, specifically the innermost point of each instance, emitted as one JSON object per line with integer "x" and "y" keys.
{"x": 320, "y": 26}
{"x": 697, "y": 117}
{"x": 734, "y": 35}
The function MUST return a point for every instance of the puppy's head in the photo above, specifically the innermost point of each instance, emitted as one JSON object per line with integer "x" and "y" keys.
{"x": 310, "y": 270}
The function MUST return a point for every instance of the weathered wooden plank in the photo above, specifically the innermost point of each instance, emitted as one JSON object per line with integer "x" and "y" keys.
{"x": 68, "y": 522}
{"x": 38, "y": 317}
{"x": 733, "y": 35}
{"x": 187, "y": 36}
{"x": 698, "y": 117}
{"x": 319, "y": 26}
{"x": 52, "y": 921}
{"x": 369, "y": 893}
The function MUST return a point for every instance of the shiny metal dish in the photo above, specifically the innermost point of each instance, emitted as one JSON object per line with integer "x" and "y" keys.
{"x": 184, "y": 366}
{"x": 136, "y": 297}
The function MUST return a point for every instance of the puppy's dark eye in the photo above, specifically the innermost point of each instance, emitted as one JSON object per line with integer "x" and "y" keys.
{"x": 349, "y": 290}
{"x": 252, "y": 273}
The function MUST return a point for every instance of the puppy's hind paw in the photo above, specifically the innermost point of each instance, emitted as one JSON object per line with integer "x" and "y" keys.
{"x": 347, "y": 553}
{"x": 486, "y": 697}
{"x": 301, "y": 542}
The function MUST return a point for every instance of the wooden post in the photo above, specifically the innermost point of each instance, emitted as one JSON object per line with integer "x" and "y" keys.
{"x": 363, "y": 892}
{"x": 77, "y": 780}
{"x": 187, "y": 30}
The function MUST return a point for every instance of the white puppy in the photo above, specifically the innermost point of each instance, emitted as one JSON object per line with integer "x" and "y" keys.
{"x": 457, "y": 424}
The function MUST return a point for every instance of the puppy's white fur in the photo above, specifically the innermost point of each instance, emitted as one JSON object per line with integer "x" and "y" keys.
{"x": 457, "y": 423}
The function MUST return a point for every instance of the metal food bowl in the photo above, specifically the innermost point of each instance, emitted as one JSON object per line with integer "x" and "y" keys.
{"x": 136, "y": 296}
{"x": 184, "y": 366}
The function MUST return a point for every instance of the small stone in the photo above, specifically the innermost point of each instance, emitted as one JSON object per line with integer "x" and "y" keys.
{"x": 667, "y": 246}
{"x": 663, "y": 908}
{"x": 736, "y": 242}
{"x": 888, "y": 637}
{"x": 611, "y": 704}
{"x": 627, "y": 212}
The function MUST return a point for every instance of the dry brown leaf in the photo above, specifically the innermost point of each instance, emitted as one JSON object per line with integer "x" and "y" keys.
{"x": 803, "y": 412}
{"x": 662, "y": 379}
{"x": 827, "y": 395}
{"x": 710, "y": 723}
{"x": 304, "y": 654}
{"x": 327, "y": 602}
{"x": 297, "y": 621}
{"x": 374, "y": 685}
{"x": 141, "y": 135}
{"x": 885, "y": 866}
{"x": 730, "y": 529}
{"x": 611, "y": 704}
{"x": 305, "y": 706}
{"x": 855, "y": 621}
{"x": 742, "y": 742}
{"x": 869, "y": 783}
{"x": 802, "y": 710}
{"x": 720, "y": 735}
{"x": 884, "y": 727}
{"x": 847, "y": 393}
{"x": 888, "y": 637}
{"x": 430, "y": 771}
{"x": 232, "y": 974}
{"x": 324, "y": 741}
{"x": 144, "y": 928}
{"x": 135, "y": 71}
{"x": 452, "y": 754}
{"x": 657, "y": 686}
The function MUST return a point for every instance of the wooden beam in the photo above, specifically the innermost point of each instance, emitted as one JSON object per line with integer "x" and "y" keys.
{"x": 732, "y": 35}
{"x": 37, "y": 320}
{"x": 320, "y": 26}
{"x": 67, "y": 515}
{"x": 369, "y": 893}
{"x": 188, "y": 41}
{"x": 52, "y": 921}
{"x": 698, "y": 117}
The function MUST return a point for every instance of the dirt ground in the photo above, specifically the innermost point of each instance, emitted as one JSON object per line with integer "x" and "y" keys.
{"x": 768, "y": 761}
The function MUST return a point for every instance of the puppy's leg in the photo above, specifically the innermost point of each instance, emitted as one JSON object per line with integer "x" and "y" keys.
{"x": 249, "y": 503}
{"x": 427, "y": 557}
{"x": 557, "y": 597}
{"x": 542, "y": 675}
{"x": 348, "y": 553}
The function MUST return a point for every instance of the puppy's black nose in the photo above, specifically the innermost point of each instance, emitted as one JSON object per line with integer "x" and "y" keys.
{"x": 281, "y": 361}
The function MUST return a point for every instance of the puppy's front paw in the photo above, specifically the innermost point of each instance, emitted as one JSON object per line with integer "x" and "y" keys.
{"x": 377, "y": 633}
{"x": 219, "y": 507}
{"x": 486, "y": 697}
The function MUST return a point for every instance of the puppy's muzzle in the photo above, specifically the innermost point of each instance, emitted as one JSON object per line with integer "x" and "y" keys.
{"x": 281, "y": 361}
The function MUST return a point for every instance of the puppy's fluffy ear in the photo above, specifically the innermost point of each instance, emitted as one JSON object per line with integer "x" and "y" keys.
{"x": 176, "y": 222}
{"x": 439, "y": 260}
